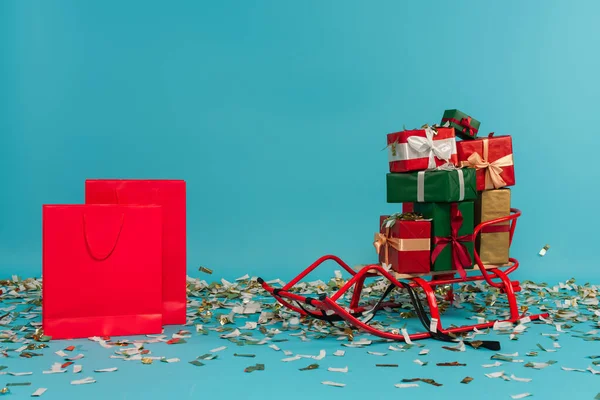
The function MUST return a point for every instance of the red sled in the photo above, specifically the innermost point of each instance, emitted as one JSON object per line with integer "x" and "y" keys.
{"x": 170, "y": 194}
{"x": 102, "y": 270}
{"x": 330, "y": 308}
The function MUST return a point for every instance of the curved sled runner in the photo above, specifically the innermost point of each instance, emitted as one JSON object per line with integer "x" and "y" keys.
{"x": 327, "y": 307}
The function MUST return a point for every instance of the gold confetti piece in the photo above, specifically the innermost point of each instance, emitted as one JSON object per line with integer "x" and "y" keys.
{"x": 387, "y": 365}
{"x": 244, "y": 355}
{"x": 597, "y": 397}
{"x": 4, "y": 390}
{"x": 532, "y": 354}
{"x": 197, "y": 363}
{"x": 335, "y": 384}
{"x": 466, "y": 380}
{"x": 147, "y": 361}
{"x": 257, "y": 367}
{"x": 544, "y": 250}
{"x": 310, "y": 367}
{"x": 205, "y": 270}
{"x": 451, "y": 364}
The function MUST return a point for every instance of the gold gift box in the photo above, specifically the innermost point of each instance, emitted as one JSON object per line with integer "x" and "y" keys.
{"x": 494, "y": 241}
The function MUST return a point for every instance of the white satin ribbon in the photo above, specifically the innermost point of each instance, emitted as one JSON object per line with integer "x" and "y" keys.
{"x": 446, "y": 167}
{"x": 441, "y": 149}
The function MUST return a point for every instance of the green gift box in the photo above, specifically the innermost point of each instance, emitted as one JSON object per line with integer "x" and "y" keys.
{"x": 432, "y": 186}
{"x": 452, "y": 237}
{"x": 465, "y": 126}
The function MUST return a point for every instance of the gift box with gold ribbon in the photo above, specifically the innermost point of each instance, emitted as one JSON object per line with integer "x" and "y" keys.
{"x": 453, "y": 241}
{"x": 404, "y": 242}
{"x": 494, "y": 241}
{"x": 492, "y": 157}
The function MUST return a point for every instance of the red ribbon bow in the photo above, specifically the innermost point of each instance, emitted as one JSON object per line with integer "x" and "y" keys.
{"x": 465, "y": 123}
{"x": 460, "y": 255}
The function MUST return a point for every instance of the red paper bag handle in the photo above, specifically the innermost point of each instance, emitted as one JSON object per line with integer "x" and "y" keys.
{"x": 89, "y": 247}
{"x": 154, "y": 196}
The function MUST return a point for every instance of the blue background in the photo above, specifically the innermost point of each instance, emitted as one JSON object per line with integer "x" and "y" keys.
{"x": 275, "y": 112}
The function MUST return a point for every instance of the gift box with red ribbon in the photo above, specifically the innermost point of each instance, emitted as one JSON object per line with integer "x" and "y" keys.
{"x": 494, "y": 241}
{"x": 421, "y": 149}
{"x": 404, "y": 241}
{"x": 465, "y": 126}
{"x": 453, "y": 241}
{"x": 492, "y": 157}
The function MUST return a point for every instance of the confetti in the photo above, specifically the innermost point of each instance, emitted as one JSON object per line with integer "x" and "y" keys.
{"x": 39, "y": 392}
{"x": 61, "y": 353}
{"x": 425, "y": 380}
{"x": 106, "y": 370}
{"x": 520, "y": 396}
{"x": 310, "y": 367}
{"x": 257, "y": 367}
{"x": 495, "y": 374}
{"x": 387, "y": 365}
{"x": 374, "y": 353}
{"x": 406, "y": 385}
{"x": 289, "y": 359}
{"x": 20, "y": 373}
{"x": 244, "y": 355}
{"x": 421, "y": 363}
{"x": 331, "y": 369}
{"x": 339, "y": 353}
{"x": 218, "y": 349}
{"x": 424, "y": 352}
{"x": 466, "y": 380}
{"x": 329, "y": 383}
{"x": 539, "y": 365}
{"x": 197, "y": 363}
{"x": 77, "y": 369}
{"x": 83, "y": 381}
{"x": 451, "y": 364}
{"x": 205, "y": 270}
{"x": 514, "y": 378}
{"x": 544, "y": 249}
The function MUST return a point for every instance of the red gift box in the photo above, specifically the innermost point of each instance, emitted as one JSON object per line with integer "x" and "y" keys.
{"x": 421, "y": 149}
{"x": 170, "y": 194}
{"x": 405, "y": 245}
{"x": 493, "y": 159}
{"x": 102, "y": 270}
{"x": 408, "y": 207}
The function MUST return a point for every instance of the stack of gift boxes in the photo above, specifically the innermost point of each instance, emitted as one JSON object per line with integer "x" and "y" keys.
{"x": 446, "y": 187}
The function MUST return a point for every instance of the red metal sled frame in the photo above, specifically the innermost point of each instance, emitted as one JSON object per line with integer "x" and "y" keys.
{"x": 325, "y": 305}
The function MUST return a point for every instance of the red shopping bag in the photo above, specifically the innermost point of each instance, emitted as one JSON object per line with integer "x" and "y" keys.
{"x": 170, "y": 194}
{"x": 102, "y": 270}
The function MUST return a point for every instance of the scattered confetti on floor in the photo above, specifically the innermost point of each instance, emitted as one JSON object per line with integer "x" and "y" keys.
{"x": 231, "y": 323}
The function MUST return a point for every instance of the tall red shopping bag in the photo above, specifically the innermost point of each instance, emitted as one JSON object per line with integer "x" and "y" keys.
{"x": 170, "y": 194}
{"x": 102, "y": 270}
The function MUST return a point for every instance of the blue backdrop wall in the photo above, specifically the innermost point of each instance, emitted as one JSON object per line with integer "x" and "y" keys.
{"x": 275, "y": 112}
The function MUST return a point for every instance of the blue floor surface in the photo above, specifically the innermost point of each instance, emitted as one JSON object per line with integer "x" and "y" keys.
{"x": 224, "y": 377}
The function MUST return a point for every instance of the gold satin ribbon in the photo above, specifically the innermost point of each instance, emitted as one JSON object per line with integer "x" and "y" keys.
{"x": 493, "y": 180}
{"x": 385, "y": 241}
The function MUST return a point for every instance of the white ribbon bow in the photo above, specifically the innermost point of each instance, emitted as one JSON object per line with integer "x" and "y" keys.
{"x": 442, "y": 150}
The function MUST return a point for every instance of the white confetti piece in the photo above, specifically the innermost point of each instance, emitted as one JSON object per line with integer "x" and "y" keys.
{"x": 275, "y": 347}
{"x": 170, "y": 360}
{"x": 61, "y": 353}
{"x": 20, "y": 349}
{"x": 496, "y": 364}
{"x": 321, "y": 355}
{"x": 83, "y": 381}
{"x": 218, "y": 349}
{"x": 421, "y": 363}
{"x": 338, "y": 274}
{"x": 520, "y": 396}
{"x": 106, "y": 369}
{"x": 233, "y": 334}
{"x": 288, "y": 353}
{"x": 77, "y": 368}
{"x": 502, "y": 325}
{"x": 75, "y": 358}
{"x": 394, "y": 348}
{"x": 593, "y": 371}
{"x": 433, "y": 324}
{"x": 556, "y": 345}
{"x": 55, "y": 369}
{"x": 514, "y": 378}
{"x": 20, "y": 373}
{"x": 39, "y": 392}
{"x": 339, "y": 353}
{"x": 336, "y": 384}
{"x": 424, "y": 352}
{"x": 520, "y": 328}
{"x": 375, "y": 353}
{"x": 573, "y": 369}
{"x": 516, "y": 354}
{"x": 558, "y": 327}
{"x": 291, "y": 359}
{"x": 525, "y": 320}
{"x": 331, "y": 369}
{"x": 250, "y": 325}
{"x": 406, "y": 385}
{"x": 406, "y": 336}
{"x": 495, "y": 374}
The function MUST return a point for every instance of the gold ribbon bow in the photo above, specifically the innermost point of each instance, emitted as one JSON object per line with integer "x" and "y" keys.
{"x": 493, "y": 179}
{"x": 385, "y": 241}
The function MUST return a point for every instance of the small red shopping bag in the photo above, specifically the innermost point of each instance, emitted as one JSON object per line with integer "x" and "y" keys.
{"x": 102, "y": 270}
{"x": 170, "y": 194}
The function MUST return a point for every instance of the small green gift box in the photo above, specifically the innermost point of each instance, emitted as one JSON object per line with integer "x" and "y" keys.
{"x": 465, "y": 126}
{"x": 444, "y": 186}
{"x": 452, "y": 237}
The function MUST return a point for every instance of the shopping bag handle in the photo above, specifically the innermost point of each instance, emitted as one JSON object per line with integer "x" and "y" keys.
{"x": 154, "y": 196}
{"x": 89, "y": 247}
